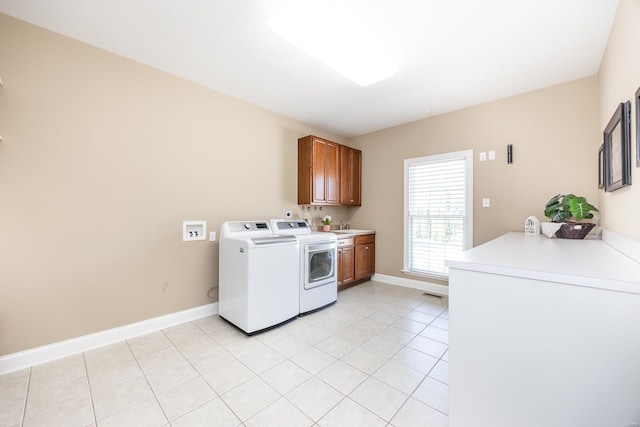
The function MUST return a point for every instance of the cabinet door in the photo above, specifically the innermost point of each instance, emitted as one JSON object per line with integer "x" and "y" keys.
{"x": 325, "y": 171}
{"x": 356, "y": 183}
{"x": 318, "y": 164}
{"x": 350, "y": 184}
{"x": 365, "y": 265}
{"x": 346, "y": 266}
{"x": 365, "y": 261}
{"x": 332, "y": 173}
{"x": 305, "y": 170}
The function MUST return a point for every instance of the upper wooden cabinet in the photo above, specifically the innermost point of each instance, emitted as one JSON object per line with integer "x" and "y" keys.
{"x": 328, "y": 173}
{"x": 350, "y": 165}
{"x": 318, "y": 171}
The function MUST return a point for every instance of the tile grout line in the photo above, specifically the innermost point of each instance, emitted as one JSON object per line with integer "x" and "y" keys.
{"x": 283, "y": 396}
{"x": 218, "y": 396}
{"x": 239, "y": 385}
{"x": 370, "y": 376}
{"x": 86, "y": 372}
{"x": 147, "y": 380}
{"x": 426, "y": 375}
{"x": 26, "y": 397}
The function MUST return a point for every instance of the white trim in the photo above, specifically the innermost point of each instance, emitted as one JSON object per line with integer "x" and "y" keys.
{"x": 434, "y": 276}
{"x": 628, "y": 246}
{"x": 433, "y": 288}
{"x": 467, "y": 156}
{"x": 46, "y": 353}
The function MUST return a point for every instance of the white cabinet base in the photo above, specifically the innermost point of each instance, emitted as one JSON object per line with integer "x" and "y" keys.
{"x": 528, "y": 352}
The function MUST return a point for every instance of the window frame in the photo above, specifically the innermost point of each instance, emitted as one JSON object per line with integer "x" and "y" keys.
{"x": 467, "y": 156}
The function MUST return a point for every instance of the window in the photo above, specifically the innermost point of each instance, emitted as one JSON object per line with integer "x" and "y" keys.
{"x": 438, "y": 206}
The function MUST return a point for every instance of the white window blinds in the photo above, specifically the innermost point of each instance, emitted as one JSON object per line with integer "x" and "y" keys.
{"x": 437, "y": 207}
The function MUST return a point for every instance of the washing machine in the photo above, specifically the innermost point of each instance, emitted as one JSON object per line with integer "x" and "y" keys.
{"x": 318, "y": 277}
{"x": 259, "y": 276}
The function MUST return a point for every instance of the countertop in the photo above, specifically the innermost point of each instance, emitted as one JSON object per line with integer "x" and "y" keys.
{"x": 345, "y": 234}
{"x": 590, "y": 263}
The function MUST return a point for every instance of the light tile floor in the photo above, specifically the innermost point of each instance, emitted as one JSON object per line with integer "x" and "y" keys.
{"x": 378, "y": 357}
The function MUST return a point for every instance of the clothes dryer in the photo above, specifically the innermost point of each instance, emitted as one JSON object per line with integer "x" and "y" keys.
{"x": 318, "y": 283}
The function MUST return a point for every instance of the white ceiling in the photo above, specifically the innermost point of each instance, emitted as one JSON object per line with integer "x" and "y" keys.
{"x": 451, "y": 54}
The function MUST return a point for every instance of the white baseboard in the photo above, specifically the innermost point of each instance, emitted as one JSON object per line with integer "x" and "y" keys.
{"x": 628, "y": 246}
{"x": 35, "y": 356}
{"x": 410, "y": 283}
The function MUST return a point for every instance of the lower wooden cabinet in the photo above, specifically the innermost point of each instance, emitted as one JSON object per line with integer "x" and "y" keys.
{"x": 346, "y": 262}
{"x": 356, "y": 259}
{"x": 365, "y": 248}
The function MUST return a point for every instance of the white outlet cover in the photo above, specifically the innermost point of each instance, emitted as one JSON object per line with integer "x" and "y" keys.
{"x": 492, "y": 155}
{"x": 486, "y": 202}
{"x": 287, "y": 214}
{"x": 483, "y": 156}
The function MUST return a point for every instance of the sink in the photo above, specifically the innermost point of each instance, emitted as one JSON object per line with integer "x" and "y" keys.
{"x": 353, "y": 231}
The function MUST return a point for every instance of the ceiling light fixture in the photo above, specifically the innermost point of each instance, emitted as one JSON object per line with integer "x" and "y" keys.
{"x": 334, "y": 36}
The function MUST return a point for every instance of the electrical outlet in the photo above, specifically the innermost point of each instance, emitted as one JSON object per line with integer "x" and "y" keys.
{"x": 212, "y": 236}
{"x": 483, "y": 156}
{"x": 287, "y": 214}
{"x": 486, "y": 202}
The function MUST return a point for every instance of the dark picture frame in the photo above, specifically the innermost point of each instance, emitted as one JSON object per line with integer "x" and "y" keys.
{"x": 617, "y": 149}
{"x": 638, "y": 127}
{"x": 601, "y": 173}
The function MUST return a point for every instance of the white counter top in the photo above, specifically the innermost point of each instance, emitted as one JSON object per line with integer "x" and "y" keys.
{"x": 590, "y": 263}
{"x": 343, "y": 234}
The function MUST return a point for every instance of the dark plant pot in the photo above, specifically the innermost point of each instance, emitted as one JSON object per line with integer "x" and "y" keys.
{"x": 574, "y": 230}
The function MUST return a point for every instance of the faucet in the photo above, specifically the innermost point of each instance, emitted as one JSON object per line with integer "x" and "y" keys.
{"x": 344, "y": 226}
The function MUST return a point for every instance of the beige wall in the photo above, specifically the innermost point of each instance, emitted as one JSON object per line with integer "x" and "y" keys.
{"x": 553, "y": 132}
{"x": 619, "y": 79}
{"x": 102, "y": 160}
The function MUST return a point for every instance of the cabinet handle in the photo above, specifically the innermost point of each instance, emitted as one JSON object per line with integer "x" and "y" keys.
{"x": 366, "y": 247}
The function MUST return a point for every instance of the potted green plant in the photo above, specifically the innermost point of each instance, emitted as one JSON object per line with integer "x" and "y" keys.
{"x": 326, "y": 223}
{"x": 566, "y": 211}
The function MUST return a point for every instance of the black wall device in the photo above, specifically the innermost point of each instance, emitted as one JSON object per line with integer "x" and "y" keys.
{"x": 510, "y": 153}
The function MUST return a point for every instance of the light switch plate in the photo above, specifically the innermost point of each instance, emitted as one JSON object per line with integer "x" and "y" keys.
{"x": 492, "y": 155}
{"x": 486, "y": 202}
